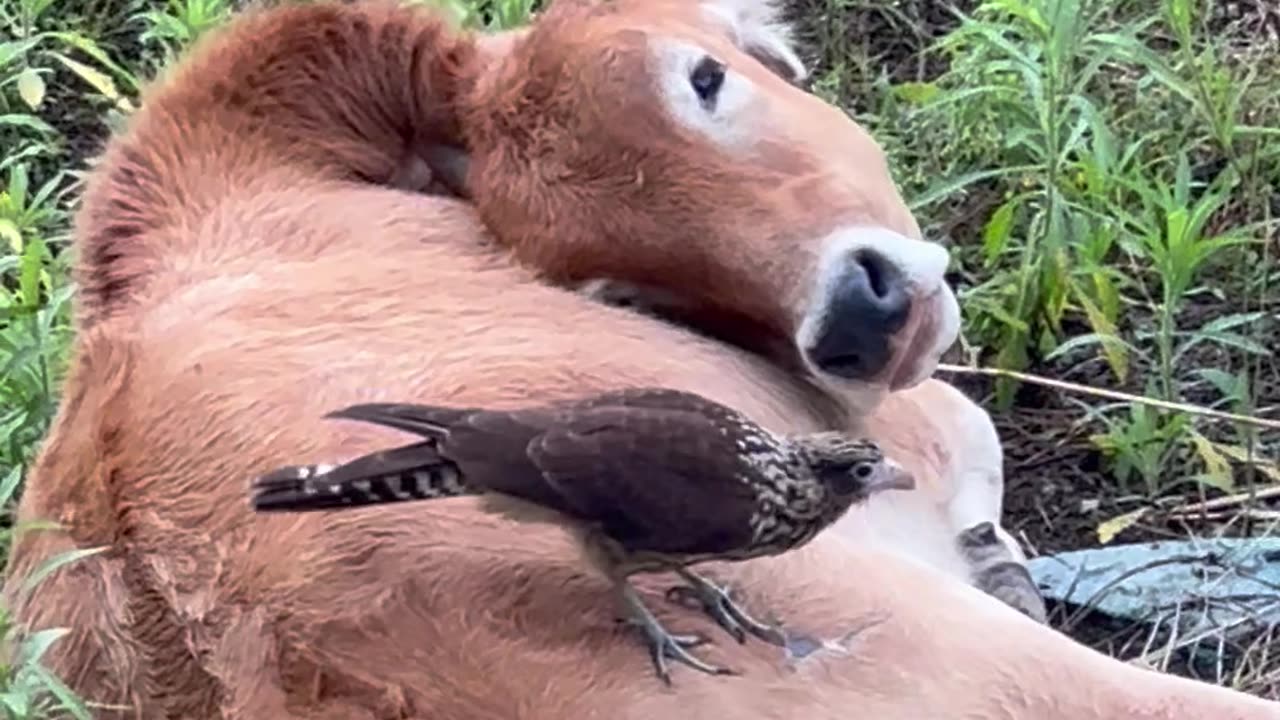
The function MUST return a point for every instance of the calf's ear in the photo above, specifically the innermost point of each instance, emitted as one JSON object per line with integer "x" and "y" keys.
{"x": 448, "y": 161}
{"x": 758, "y": 29}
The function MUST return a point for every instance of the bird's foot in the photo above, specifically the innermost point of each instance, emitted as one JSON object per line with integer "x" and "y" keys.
{"x": 716, "y": 602}
{"x": 663, "y": 644}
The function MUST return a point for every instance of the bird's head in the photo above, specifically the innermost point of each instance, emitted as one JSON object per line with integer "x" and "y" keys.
{"x": 852, "y": 467}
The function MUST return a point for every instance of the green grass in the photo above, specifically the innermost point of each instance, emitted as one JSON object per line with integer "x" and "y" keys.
{"x": 1106, "y": 171}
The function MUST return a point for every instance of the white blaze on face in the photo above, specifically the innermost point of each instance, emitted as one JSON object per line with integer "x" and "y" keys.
{"x": 754, "y": 28}
{"x": 723, "y": 118}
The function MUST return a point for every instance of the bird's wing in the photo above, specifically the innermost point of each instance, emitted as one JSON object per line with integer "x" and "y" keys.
{"x": 487, "y": 446}
{"x": 432, "y": 421}
{"x": 490, "y": 448}
{"x": 662, "y": 398}
{"x": 656, "y": 479}
{"x": 656, "y": 398}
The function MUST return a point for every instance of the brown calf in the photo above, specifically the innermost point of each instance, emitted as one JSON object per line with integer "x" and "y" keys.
{"x": 246, "y": 266}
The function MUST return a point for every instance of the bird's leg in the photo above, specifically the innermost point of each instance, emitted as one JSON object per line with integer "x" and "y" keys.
{"x": 717, "y": 603}
{"x": 662, "y": 644}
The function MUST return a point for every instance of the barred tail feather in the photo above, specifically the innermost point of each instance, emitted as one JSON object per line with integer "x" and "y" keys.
{"x": 413, "y": 472}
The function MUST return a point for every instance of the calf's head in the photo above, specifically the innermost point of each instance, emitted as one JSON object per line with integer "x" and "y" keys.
{"x": 667, "y": 143}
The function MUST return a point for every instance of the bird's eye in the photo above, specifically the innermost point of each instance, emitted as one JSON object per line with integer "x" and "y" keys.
{"x": 862, "y": 471}
{"x": 706, "y": 78}
{"x": 844, "y": 483}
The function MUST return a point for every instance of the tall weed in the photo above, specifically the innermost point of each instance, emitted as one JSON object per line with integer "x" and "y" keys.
{"x": 1094, "y": 230}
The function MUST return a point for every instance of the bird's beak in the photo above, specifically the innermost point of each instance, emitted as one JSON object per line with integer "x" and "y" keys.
{"x": 892, "y": 476}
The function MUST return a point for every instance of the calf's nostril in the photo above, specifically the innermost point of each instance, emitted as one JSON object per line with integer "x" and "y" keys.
{"x": 877, "y": 271}
{"x": 882, "y": 289}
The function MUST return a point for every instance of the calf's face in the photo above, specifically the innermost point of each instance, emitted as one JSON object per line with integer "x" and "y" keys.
{"x": 667, "y": 143}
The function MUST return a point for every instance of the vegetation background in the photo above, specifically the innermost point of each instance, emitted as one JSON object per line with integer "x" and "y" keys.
{"x": 1107, "y": 171}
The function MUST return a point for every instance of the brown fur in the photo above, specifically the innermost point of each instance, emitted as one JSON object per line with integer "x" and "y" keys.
{"x": 245, "y": 268}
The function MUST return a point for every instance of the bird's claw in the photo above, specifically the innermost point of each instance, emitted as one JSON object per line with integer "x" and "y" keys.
{"x": 683, "y": 594}
{"x": 664, "y": 645}
{"x": 715, "y": 601}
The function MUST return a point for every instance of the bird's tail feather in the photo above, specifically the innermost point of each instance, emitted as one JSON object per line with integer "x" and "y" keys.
{"x": 430, "y": 421}
{"x": 412, "y": 472}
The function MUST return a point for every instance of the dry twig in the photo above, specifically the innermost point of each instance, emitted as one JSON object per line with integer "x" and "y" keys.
{"x": 1114, "y": 395}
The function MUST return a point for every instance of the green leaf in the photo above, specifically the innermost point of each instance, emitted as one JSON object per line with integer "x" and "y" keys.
{"x": 54, "y": 563}
{"x": 14, "y": 49}
{"x": 916, "y": 93}
{"x": 1133, "y": 50}
{"x": 1094, "y": 338}
{"x": 1024, "y": 11}
{"x": 958, "y": 183}
{"x": 18, "y": 704}
{"x": 1113, "y": 348}
{"x": 30, "y": 525}
{"x": 99, "y": 80}
{"x": 18, "y": 184}
{"x": 1224, "y": 382}
{"x": 66, "y": 698}
{"x": 1239, "y": 454}
{"x": 995, "y": 236}
{"x": 1182, "y": 181}
{"x": 38, "y": 643}
{"x": 1217, "y": 470}
{"x": 1109, "y": 529}
{"x": 31, "y": 88}
{"x": 1012, "y": 356}
{"x": 1239, "y": 342}
{"x": 90, "y": 48}
{"x": 1233, "y": 320}
{"x": 1107, "y": 294}
{"x": 10, "y": 234}
{"x": 27, "y": 121}
{"x": 1004, "y": 317}
{"x": 10, "y": 484}
{"x": 1180, "y": 17}
{"x": 32, "y": 265}
{"x": 1103, "y": 141}
{"x": 1254, "y": 130}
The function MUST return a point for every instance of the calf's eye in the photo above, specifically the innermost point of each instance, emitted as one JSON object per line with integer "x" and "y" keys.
{"x": 706, "y": 78}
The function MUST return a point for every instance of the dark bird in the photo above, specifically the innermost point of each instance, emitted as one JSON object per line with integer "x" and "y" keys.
{"x": 653, "y": 479}
{"x": 995, "y": 571}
